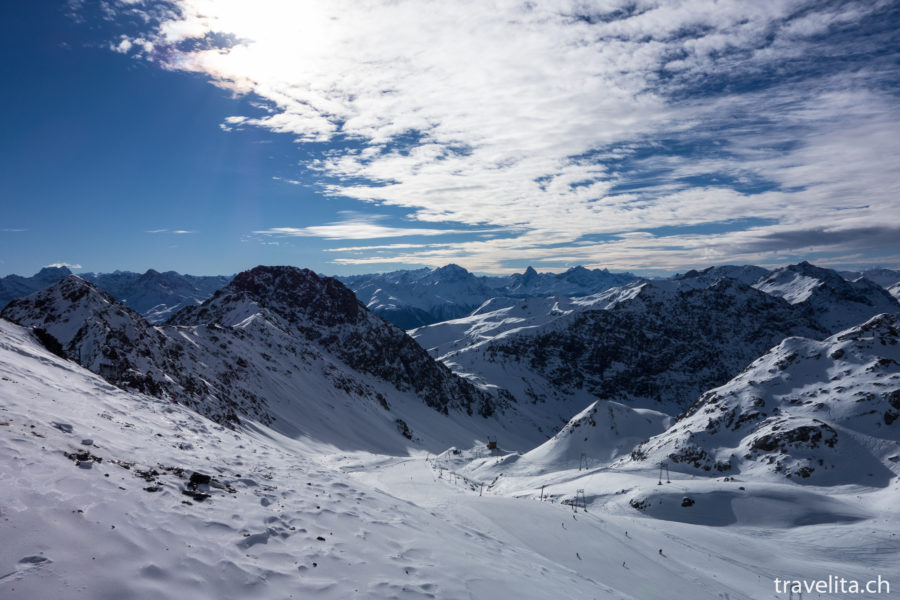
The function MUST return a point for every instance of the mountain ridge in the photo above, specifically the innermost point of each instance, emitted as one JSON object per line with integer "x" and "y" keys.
{"x": 421, "y": 297}
{"x": 823, "y": 411}
{"x": 153, "y": 294}
{"x": 246, "y": 352}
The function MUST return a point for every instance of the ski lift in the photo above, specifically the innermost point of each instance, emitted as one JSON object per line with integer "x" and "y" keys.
{"x": 663, "y": 465}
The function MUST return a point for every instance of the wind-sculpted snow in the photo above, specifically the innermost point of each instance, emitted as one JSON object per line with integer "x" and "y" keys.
{"x": 826, "y": 412}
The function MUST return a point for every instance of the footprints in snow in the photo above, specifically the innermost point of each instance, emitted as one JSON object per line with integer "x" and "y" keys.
{"x": 25, "y": 565}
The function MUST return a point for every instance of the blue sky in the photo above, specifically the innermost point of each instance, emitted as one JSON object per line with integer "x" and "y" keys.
{"x": 208, "y": 136}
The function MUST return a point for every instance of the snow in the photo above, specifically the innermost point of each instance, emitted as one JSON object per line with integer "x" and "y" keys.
{"x": 320, "y": 494}
{"x": 791, "y": 286}
{"x": 602, "y": 432}
{"x": 825, "y": 412}
{"x": 894, "y": 291}
{"x": 835, "y": 302}
{"x": 420, "y": 297}
{"x": 156, "y": 296}
{"x": 314, "y": 515}
{"x": 495, "y": 317}
{"x": 655, "y": 345}
{"x": 886, "y": 278}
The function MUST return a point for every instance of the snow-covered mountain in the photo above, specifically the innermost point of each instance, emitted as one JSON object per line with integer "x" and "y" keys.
{"x": 413, "y": 298}
{"x": 835, "y": 302}
{"x": 155, "y": 295}
{"x": 886, "y": 278}
{"x": 323, "y": 311}
{"x": 114, "y": 494}
{"x": 656, "y": 344}
{"x": 420, "y": 297}
{"x": 894, "y": 291}
{"x": 278, "y": 345}
{"x": 342, "y": 462}
{"x": 577, "y": 281}
{"x": 889, "y": 279}
{"x": 648, "y": 344}
{"x": 826, "y": 412}
{"x": 746, "y": 274}
{"x": 600, "y": 433}
{"x": 494, "y": 318}
{"x": 79, "y": 321}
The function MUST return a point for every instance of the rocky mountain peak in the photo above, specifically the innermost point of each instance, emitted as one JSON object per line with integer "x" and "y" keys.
{"x": 90, "y": 327}
{"x": 294, "y": 294}
{"x": 53, "y": 273}
{"x": 836, "y": 302}
{"x": 70, "y": 294}
{"x": 811, "y": 270}
{"x": 322, "y": 311}
{"x": 452, "y": 270}
{"x": 884, "y": 327}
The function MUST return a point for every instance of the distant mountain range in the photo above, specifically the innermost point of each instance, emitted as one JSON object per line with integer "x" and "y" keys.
{"x": 412, "y": 299}
{"x": 153, "y": 294}
{"x": 285, "y": 346}
{"x": 653, "y": 344}
{"x": 285, "y": 434}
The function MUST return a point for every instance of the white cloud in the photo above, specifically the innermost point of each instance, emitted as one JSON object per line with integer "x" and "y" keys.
{"x": 62, "y": 264}
{"x": 508, "y": 100}
{"x": 290, "y": 181}
{"x": 381, "y": 247}
{"x": 123, "y": 46}
{"x": 355, "y": 230}
{"x": 173, "y": 231}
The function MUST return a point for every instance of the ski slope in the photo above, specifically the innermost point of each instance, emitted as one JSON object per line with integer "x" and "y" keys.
{"x": 307, "y": 518}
